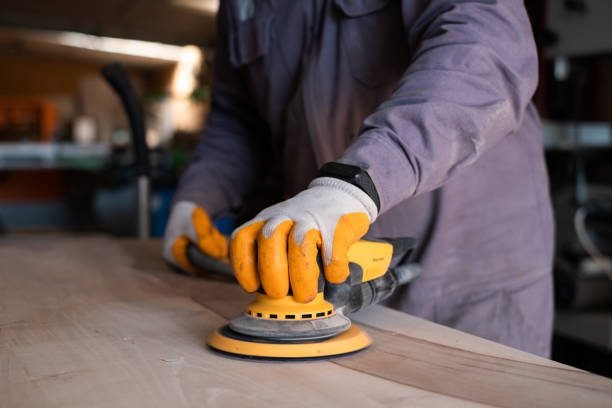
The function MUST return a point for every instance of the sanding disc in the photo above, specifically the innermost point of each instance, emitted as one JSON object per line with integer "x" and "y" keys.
{"x": 228, "y": 341}
{"x": 291, "y": 331}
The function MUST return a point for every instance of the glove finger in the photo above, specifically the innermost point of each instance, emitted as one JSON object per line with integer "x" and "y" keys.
{"x": 179, "y": 255}
{"x": 208, "y": 238}
{"x": 243, "y": 255}
{"x": 350, "y": 228}
{"x": 303, "y": 266}
{"x": 272, "y": 257}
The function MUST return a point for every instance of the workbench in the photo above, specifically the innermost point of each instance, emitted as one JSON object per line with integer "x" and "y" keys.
{"x": 96, "y": 321}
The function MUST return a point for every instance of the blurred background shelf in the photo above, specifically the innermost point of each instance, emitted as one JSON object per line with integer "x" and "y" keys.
{"x": 56, "y": 155}
{"x": 577, "y": 135}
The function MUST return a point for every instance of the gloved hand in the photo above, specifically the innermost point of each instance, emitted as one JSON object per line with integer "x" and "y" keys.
{"x": 190, "y": 223}
{"x": 279, "y": 246}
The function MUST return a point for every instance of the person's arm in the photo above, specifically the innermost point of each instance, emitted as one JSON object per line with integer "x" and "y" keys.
{"x": 472, "y": 77}
{"x": 224, "y": 167}
{"x": 227, "y": 162}
{"x": 473, "y": 74}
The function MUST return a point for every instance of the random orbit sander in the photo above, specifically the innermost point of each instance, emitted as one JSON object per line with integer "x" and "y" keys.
{"x": 285, "y": 329}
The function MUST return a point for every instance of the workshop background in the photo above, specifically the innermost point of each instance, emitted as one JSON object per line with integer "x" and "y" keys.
{"x": 68, "y": 163}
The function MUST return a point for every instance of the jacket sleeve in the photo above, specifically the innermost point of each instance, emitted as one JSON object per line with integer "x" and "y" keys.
{"x": 227, "y": 162}
{"x": 473, "y": 73}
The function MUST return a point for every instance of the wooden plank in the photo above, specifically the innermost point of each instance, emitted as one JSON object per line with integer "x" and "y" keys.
{"x": 95, "y": 321}
{"x": 151, "y": 353}
{"x": 392, "y": 320}
{"x": 478, "y": 377}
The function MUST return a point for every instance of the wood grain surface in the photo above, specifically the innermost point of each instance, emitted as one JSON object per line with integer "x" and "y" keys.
{"x": 93, "y": 321}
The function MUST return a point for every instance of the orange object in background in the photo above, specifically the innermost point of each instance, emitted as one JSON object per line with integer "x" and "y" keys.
{"x": 26, "y": 119}
{"x": 32, "y": 185}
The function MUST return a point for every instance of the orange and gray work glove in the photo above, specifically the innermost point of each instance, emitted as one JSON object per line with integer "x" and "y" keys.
{"x": 190, "y": 223}
{"x": 278, "y": 248}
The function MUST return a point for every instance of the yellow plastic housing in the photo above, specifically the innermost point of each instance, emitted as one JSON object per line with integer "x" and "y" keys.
{"x": 352, "y": 340}
{"x": 374, "y": 257}
{"x": 286, "y": 308}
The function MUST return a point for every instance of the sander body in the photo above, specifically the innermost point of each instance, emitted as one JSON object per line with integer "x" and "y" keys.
{"x": 285, "y": 329}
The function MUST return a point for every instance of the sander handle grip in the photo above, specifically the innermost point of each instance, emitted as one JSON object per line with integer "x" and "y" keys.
{"x": 379, "y": 289}
{"x": 364, "y": 288}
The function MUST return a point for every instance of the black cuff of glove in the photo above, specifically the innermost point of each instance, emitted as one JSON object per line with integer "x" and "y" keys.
{"x": 354, "y": 175}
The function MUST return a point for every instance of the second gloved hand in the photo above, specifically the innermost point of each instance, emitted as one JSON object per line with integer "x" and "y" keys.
{"x": 278, "y": 248}
{"x": 190, "y": 223}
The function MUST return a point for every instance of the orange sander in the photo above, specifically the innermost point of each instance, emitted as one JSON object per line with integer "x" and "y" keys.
{"x": 285, "y": 329}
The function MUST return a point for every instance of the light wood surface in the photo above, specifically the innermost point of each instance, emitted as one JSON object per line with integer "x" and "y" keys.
{"x": 94, "y": 321}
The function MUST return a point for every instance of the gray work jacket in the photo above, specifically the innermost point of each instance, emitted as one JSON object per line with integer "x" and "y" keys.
{"x": 424, "y": 95}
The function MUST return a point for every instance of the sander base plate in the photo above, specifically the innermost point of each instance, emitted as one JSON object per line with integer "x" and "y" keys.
{"x": 228, "y": 341}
